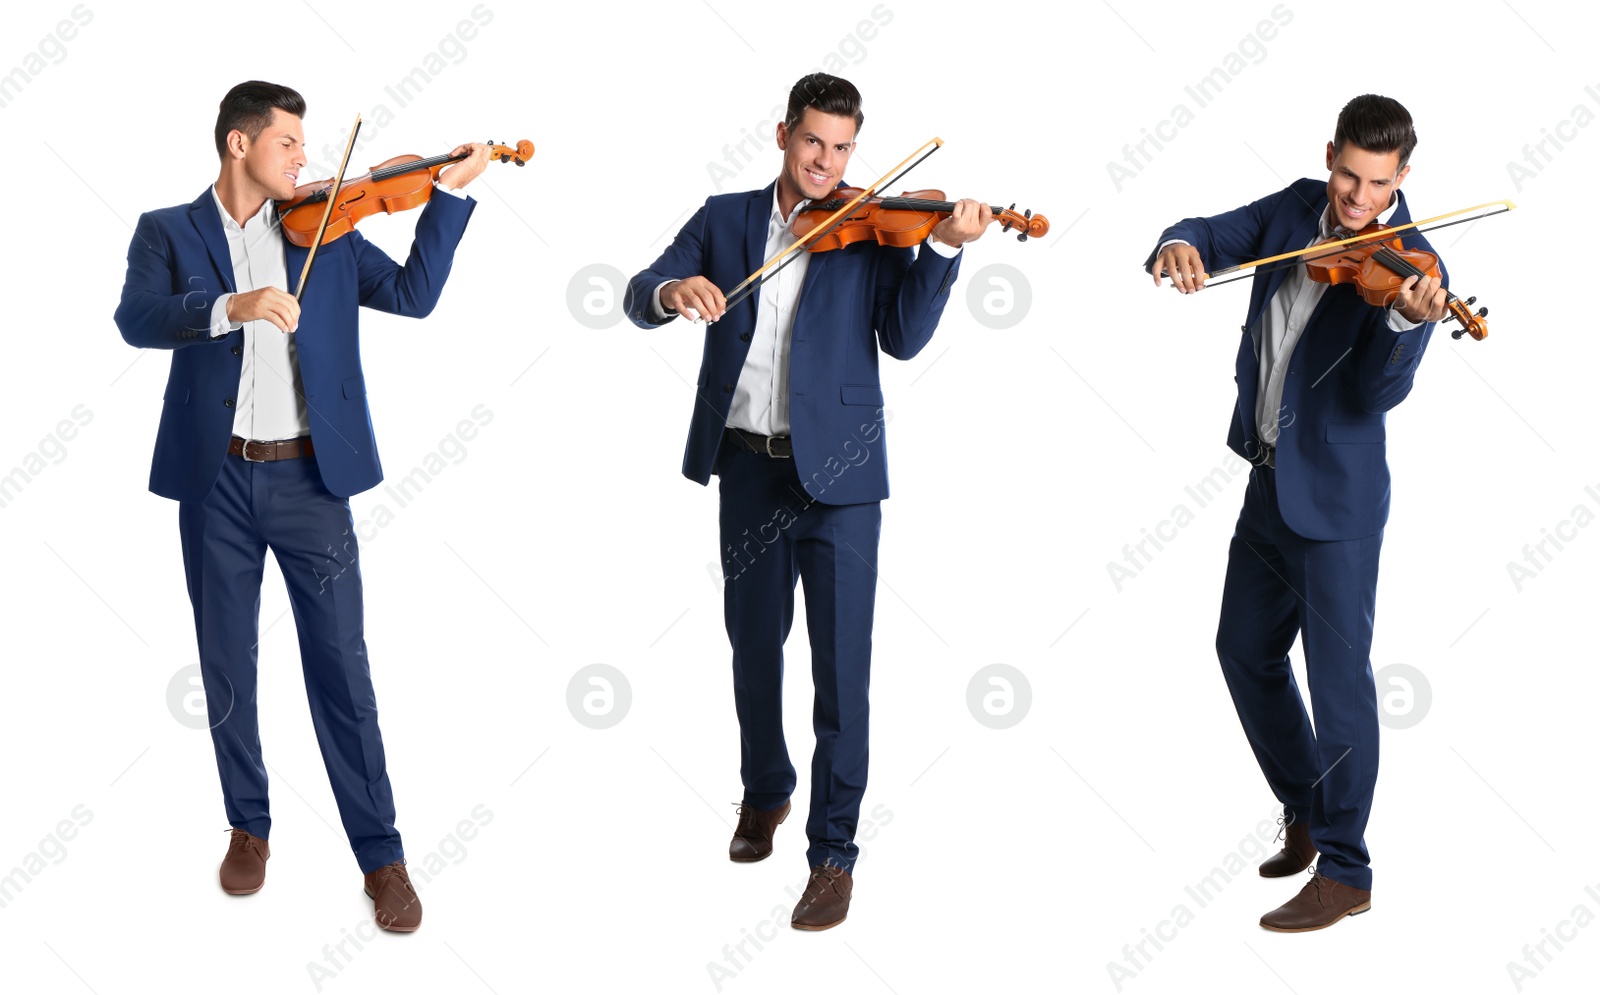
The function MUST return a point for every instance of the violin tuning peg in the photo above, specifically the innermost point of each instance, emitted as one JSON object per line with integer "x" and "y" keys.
{"x": 1483, "y": 312}
{"x": 1022, "y": 237}
{"x": 1028, "y": 214}
{"x": 1457, "y": 333}
{"x": 1471, "y": 301}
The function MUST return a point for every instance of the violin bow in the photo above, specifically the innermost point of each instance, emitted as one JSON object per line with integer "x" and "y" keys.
{"x": 327, "y": 210}
{"x": 1332, "y": 248}
{"x": 753, "y": 282}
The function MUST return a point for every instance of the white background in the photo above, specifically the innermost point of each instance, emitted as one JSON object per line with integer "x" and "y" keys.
{"x": 1023, "y": 460}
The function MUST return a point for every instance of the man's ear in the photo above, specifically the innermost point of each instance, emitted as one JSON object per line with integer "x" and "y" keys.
{"x": 238, "y": 144}
{"x": 783, "y": 137}
{"x": 1330, "y": 157}
{"x": 1400, "y": 177}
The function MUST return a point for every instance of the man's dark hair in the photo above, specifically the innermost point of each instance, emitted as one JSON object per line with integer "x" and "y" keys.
{"x": 1376, "y": 124}
{"x": 248, "y": 108}
{"x": 828, "y": 94}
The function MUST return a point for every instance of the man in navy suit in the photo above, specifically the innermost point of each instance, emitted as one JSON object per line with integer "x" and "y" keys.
{"x": 264, "y": 436}
{"x": 1317, "y": 368}
{"x": 789, "y": 415}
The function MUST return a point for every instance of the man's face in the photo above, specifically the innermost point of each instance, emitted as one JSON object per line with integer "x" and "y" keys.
{"x": 816, "y": 152}
{"x": 273, "y": 159}
{"x": 1361, "y": 183}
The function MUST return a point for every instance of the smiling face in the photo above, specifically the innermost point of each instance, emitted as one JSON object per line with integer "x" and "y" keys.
{"x": 815, "y": 153}
{"x": 1361, "y": 183}
{"x": 273, "y": 159}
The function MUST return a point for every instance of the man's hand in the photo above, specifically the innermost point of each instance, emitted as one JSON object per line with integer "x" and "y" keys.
{"x": 965, "y": 224}
{"x": 1182, "y": 262}
{"x": 269, "y": 303}
{"x": 695, "y": 294}
{"x": 1422, "y": 299}
{"x": 458, "y": 175}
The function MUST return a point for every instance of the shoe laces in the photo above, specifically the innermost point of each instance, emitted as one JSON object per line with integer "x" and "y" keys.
{"x": 1324, "y": 887}
{"x": 239, "y": 842}
{"x": 395, "y": 873}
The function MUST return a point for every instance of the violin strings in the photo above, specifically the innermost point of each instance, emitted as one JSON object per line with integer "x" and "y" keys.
{"x": 1305, "y": 259}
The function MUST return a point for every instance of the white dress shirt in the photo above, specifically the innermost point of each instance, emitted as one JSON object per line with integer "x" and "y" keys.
{"x": 1285, "y": 320}
{"x": 761, "y": 397}
{"x": 270, "y": 402}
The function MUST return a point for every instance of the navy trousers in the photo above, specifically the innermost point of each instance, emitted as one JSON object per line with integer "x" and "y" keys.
{"x": 283, "y": 506}
{"x": 772, "y": 536}
{"x": 1281, "y": 584}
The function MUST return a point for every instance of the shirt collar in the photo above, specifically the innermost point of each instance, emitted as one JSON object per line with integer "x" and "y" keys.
{"x": 776, "y": 217}
{"x": 228, "y": 224}
{"x": 1325, "y": 227}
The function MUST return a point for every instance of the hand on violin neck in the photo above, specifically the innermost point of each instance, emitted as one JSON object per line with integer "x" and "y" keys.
{"x": 1422, "y": 300}
{"x": 696, "y": 298}
{"x": 965, "y": 224}
{"x": 459, "y": 174}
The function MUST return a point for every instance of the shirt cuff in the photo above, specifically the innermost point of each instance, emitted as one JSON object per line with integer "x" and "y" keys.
{"x": 457, "y": 192}
{"x": 1399, "y": 322}
{"x": 947, "y": 251}
{"x": 1171, "y": 241}
{"x": 220, "y": 325}
{"x": 658, "y": 312}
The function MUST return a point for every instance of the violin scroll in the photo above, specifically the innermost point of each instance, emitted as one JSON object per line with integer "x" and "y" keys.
{"x": 504, "y": 153}
{"x": 1028, "y": 224}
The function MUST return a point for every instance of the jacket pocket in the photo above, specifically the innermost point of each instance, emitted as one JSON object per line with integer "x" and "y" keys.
{"x": 355, "y": 387}
{"x": 867, "y": 393}
{"x": 1372, "y": 432}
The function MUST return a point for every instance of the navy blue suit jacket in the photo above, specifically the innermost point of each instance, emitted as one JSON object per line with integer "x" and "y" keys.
{"x": 853, "y": 302}
{"x": 178, "y": 265}
{"x": 1347, "y": 369}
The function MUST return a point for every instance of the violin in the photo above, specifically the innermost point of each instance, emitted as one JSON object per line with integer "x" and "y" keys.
{"x": 1378, "y": 267}
{"x": 398, "y": 184}
{"x": 901, "y": 222}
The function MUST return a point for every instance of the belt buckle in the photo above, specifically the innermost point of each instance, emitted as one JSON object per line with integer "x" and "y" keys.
{"x": 244, "y": 451}
{"x": 773, "y": 454}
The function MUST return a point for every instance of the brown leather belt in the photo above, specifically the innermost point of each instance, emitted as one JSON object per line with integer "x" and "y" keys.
{"x": 267, "y": 452}
{"x": 776, "y": 446}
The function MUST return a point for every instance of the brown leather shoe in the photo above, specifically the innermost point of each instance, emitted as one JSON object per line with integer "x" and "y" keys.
{"x": 1296, "y": 855}
{"x": 395, "y": 904}
{"x": 826, "y": 900}
{"x": 752, "y": 840}
{"x": 244, "y": 867}
{"x": 1320, "y": 904}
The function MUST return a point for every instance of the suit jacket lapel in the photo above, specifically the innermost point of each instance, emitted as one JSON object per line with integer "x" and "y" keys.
{"x": 203, "y": 215}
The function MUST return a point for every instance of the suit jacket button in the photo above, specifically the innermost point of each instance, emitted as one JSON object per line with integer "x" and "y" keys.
{"x": 237, "y": 350}
{"x": 227, "y": 402}
{"x": 727, "y": 388}
{"x": 745, "y": 337}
